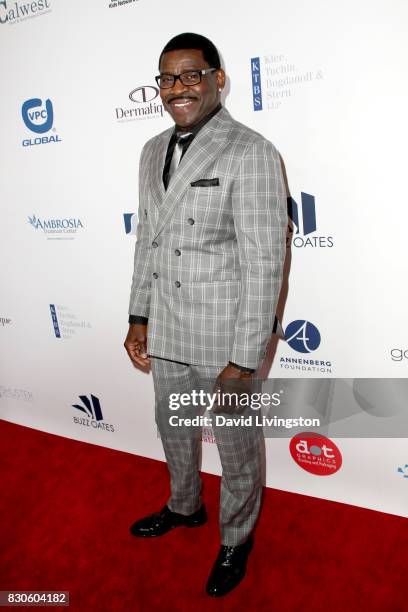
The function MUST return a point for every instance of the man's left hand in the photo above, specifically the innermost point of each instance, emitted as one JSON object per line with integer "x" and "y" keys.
{"x": 225, "y": 385}
{"x": 230, "y": 372}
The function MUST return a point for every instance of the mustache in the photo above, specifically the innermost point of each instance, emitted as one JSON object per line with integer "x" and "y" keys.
{"x": 186, "y": 97}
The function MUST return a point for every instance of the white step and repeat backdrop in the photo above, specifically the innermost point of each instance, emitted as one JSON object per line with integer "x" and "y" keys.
{"x": 325, "y": 82}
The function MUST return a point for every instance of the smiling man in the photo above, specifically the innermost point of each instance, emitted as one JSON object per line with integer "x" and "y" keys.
{"x": 207, "y": 274}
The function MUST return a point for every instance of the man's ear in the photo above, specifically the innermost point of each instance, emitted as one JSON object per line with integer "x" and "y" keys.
{"x": 220, "y": 74}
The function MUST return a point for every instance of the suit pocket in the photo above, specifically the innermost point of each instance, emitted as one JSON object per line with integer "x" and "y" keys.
{"x": 212, "y": 293}
{"x": 213, "y": 182}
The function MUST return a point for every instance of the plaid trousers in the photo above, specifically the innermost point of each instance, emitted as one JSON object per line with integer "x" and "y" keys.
{"x": 240, "y": 450}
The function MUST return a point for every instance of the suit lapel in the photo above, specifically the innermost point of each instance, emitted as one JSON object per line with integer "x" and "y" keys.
{"x": 157, "y": 165}
{"x": 201, "y": 153}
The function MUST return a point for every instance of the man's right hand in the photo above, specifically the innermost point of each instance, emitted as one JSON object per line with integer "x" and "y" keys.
{"x": 136, "y": 345}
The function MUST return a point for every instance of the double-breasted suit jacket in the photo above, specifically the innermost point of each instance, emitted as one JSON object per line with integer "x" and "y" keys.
{"x": 210, "y": 250}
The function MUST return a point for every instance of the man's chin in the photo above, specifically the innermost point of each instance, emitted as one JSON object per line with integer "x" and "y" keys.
{"x": 183, "y": 117}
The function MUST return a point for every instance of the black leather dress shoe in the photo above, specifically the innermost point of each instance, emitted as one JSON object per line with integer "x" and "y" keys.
{"x": 229, "y": 568}
{"x": 159, "y": 523}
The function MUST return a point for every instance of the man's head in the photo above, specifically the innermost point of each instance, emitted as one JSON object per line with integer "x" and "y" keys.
{"x": 187, "y": 100}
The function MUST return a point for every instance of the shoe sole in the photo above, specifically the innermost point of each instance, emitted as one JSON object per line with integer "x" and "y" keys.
{"x": 158, "y": 535}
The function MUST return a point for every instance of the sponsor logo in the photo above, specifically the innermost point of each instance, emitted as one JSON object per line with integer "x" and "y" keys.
{"x": 66, "y": 324}
{"x": 304, "y": 222}
{"x": 38, "y": 121}
{"x": 57, "y": 229}
{"x": 308, "y": 213}
{"x": 145, "y": 93}
{"x": 403, "y": 471}
{"x": 55, "y": 321}
{"x": 92, "y": 410}
{"x": 276, "y": 79}
{"x": 315, "y": 454}
{"x": 306, "y": 365}
{"x": 4, "y": 321}
{"x": 256, "y": 84}
{"x": 130, "y": 220}
{"x": 303, "y": 337}
{"x": 15, "y": 12}
{"x": 22, "y": 395}
{"x": 399, "y": 354}
{"x": 39, "y": 118}
{"x": 117, "y": 3}
{"x": 147, "y": 106}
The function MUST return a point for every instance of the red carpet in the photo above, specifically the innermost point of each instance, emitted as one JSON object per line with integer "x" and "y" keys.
{"x": 65, "y": 511}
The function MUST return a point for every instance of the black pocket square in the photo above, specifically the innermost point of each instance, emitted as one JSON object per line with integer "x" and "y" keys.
{"x": 214, "y": 182}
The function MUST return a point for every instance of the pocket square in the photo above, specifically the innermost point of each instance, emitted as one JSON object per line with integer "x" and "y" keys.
{"x": 214, "y": 182}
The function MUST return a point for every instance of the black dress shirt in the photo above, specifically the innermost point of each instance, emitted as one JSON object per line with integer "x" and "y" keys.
{"x": 170, "y": 150}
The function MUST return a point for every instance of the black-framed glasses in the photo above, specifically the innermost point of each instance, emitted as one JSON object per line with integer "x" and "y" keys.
{"x": 191, "y": 77}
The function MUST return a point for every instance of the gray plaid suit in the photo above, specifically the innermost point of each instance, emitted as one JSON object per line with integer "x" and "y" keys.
{"x": 207, "y": 273}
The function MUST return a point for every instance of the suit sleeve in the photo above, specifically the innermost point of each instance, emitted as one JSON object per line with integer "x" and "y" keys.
{"x": 139, "y": 304}
{"x": 260, "y": 219}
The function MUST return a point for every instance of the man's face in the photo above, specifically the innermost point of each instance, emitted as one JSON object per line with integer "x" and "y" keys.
{"x": 188, "y": 104}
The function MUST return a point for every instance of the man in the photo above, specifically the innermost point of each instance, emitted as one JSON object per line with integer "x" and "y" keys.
{"x": 207, "y": 274}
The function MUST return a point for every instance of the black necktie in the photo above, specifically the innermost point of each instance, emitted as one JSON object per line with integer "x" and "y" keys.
{"x": 181, "y": 141}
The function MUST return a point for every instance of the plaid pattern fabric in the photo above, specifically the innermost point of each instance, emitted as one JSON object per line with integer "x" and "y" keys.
{"x": 208, "y": 259}
{"x": 239, "y": 449}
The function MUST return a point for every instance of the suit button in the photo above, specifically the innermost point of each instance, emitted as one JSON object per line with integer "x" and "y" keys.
{"x": 178, "y": 284}
{"x": 155, "y": 275}
{"x": 177, "y": 252}
{"x": 155, "y": 245}
{"x": 190, "y": 221}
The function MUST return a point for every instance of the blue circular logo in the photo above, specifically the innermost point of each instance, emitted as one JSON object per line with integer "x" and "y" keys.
{"x": 32, "y": 115}
{"x": 302, "y": 336}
